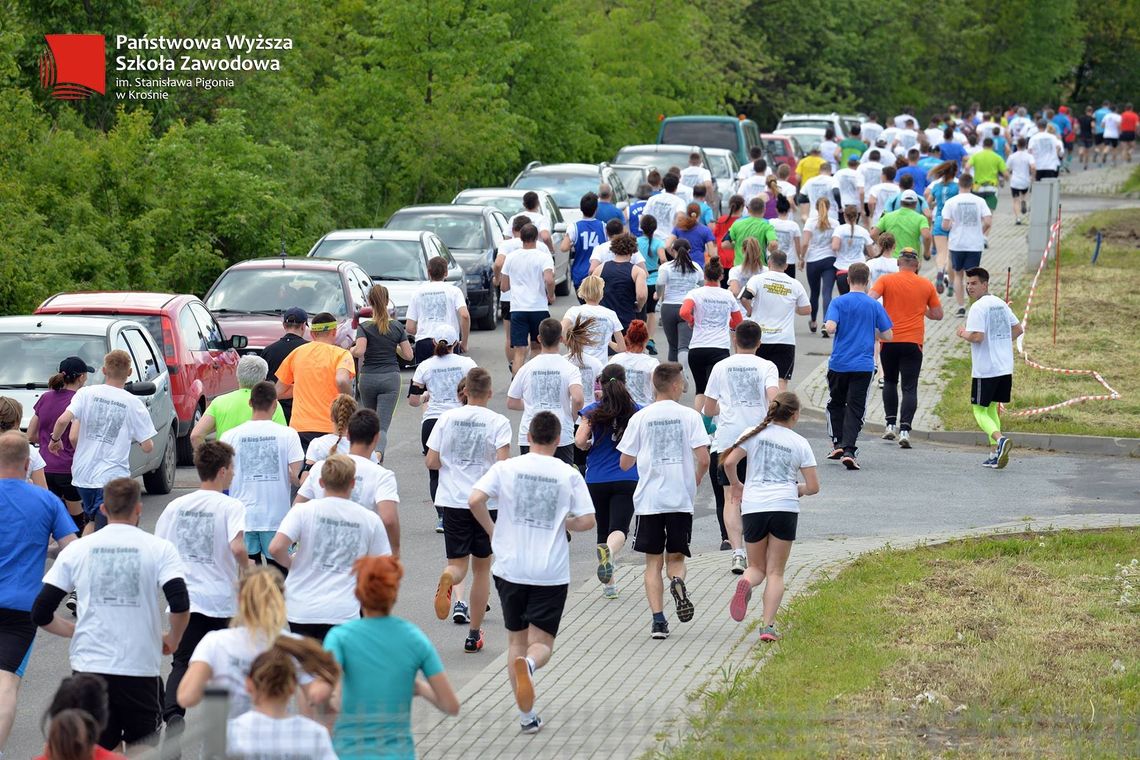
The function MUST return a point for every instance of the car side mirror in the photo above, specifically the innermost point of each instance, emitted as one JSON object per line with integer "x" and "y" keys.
{"x": 238, "y": 342}
{"x": 140, "y": 388}
{"x": 560, "y": 227}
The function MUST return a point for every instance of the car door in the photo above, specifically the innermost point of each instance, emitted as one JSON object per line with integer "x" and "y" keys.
{"x": 146, "y": 367}
{"x": 223, "y": 360}
{"x": 359, "y": 284}
{"x": 195, "y": 363}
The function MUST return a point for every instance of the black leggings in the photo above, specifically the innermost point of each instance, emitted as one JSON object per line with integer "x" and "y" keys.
{"x": 718, "y": 492}
{"x": 433, "y": 475}
{"x": 701, "y": 362}
{"x": 905, "y": 360}
{"x": 841, "y": 283}
{"x": 613, "y": 503}
{"x": 821, "y": 281}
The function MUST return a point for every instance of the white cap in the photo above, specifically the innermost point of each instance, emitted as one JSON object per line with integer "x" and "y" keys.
{"x": 909, "y": 196}
{"x": 445, "y": 333}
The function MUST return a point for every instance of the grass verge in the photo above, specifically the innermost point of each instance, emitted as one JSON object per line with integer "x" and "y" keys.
{"x": 1098, "y": 307}
{"x": 1132, "y": 184}
{"x": 1025, "y": 645}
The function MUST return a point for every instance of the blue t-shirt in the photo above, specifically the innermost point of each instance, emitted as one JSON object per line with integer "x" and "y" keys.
{"x": 30, "y": 515}
{"x": 999, "y": 146}
{"x": 919, "y": 177}
{"x": 603, "y": 459}
{"x": 698, "y": 237}
{"x": 607, "y": 211}
{"x": 942, "y": 192}
{"x": 652, "y": 258}
{"x": 856, "y": 316}
{"x": 380, "y": 657}
{"x": 952, "y": 151}
{"x": 636, "y": 209}
{"x": 707, "y": 216}
{"x": 588, "y": 233}
{"x": 1098, "y": 119}
{"x": 1063, "y": 124}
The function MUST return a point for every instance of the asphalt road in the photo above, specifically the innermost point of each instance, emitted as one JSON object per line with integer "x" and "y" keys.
{"x": 929, "y": 488}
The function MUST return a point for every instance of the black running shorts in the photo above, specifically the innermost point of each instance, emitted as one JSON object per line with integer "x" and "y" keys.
{"x": 760, "y": 525}
{"x": 524, "y": 605}
{"x": 463, "y": 536}
{"x": 669, "y": 532}
{"x": 986, "y": 390}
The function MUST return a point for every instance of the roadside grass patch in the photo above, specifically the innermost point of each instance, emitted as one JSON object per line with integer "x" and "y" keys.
{"x": 1006, "y": 646}
{"x": 1096, "y": 330}
{"x": 1132, "y": 184}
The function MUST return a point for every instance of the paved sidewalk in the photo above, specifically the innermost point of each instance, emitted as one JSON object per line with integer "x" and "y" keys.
{"x": 612, "y": 692}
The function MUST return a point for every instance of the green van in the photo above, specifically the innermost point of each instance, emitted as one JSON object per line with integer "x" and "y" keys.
{"x": 728, "y": 132}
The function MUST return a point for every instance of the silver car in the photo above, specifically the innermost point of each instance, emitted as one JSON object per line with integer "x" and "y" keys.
{"x": 724, "y": 168}
{"x": 34, "y": 346}
{"x": 569, "y": 182}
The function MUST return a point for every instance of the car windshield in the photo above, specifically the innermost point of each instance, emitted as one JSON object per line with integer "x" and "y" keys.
{"x": 776, "y": 147}
{"x": 660, "y": 160}
{"x": 34, "y": 357}
{"x": 807, "y": 139}
{"x": 382, "y": 259}
{"x": 707, "y": 134}
{"x": 809, "y": 123}
{"x": 720, "y": 167}
{"x": 267, "y": 290}
{"x": 567, "y": 189}
{"x": 509, "y": 205}
{"x": 630, "y": 178}
{"x": 457, "y": 231}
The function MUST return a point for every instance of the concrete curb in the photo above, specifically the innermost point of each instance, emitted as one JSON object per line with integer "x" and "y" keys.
{"x": 1066, "y": 444}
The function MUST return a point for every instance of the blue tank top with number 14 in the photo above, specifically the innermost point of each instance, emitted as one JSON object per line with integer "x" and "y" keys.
{"x": 591, "y": 232}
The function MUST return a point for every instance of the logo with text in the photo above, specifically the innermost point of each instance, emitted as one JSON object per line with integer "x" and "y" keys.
{"x": 74, "y": 66}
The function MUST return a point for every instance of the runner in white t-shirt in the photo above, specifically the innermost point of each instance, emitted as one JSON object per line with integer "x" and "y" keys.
{"x": 851, "y": 244}
{"x": 713, "y": 313}
{"x": 330, "y": 534}
{"x": 528, "y": 275}
{"x": 637, "y": 364}
{"x": 775, "y": 456}
{"x": 1022, "y": 168}
{"x": 548, "y": 382}
{"x": 605, "y": 330}
{"x": 435, "y": 304}
{"x": 967, "y": 218}
{"x": 879, "y": 194}
{"x": 207, "y": 527}
{"x": 540, "y": 500}
{"x": 669, "y": 444}
{"x": 772, "y": 299}
{"x": 851, "y": 183}
{"x": 464, "y": 444}
{"x": 506, "y": 248}
{"x": 695, "y": 174}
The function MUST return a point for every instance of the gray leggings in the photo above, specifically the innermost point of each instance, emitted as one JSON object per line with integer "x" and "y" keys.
{"x": 380, "y": 392}
{"x": 677, "y": 332}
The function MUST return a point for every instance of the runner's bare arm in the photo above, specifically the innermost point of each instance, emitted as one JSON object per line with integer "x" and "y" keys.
{"x": 390, "y": 516}
{"x": 205, "y": 426}
{"x": 810, "y": 486}
{"x": 583, "y": 436}
{"x": 477, "y": 503}
{"x": 279, "y": 549}
{"x": 701, "y": 454}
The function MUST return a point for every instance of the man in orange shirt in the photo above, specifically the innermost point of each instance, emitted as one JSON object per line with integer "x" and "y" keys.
{"x": 315, "y": 373}
{"x": 1128, "y": 122}
{"x": 908, "y": 300}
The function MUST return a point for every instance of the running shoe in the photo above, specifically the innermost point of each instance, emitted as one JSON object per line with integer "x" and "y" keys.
{"x": 1017, "y": 221}
{"x": 609, "y": 591}
{"x": 461, "y": 613}
{"x": 738, "y": 607}
{"x": 532, "y": 727}
{"x": 823, "y": 333}
{"x": 768, "y": 633}
{"x": 1003, "y": 447}
{"x": 850, "y": 462}
{"x": 1024, "y": 207}
{"x": 660, "y": 630}
{"x": 889, "y": 433}
{"x": 605, "y": 564}
{"x": 904, "y": 439}
{"x": 443, "y": 595}
{"x": 71, "y": 602}
{"x": 940, "y": 282}
{"x": 949, "y": 288}
{"x": 474, "y": 642}
{"x": 651, "y": 348}
{"x": 961, "y": 311}
{"x": 882, "y": 382}
{"x": 836, "y": 453}
{"x": 739, "y": 564}
{"x": 991, "y": 462}
{"x": 725, "y": 545}
{"x": 813, "y": 326}
{"x": 439, "y": 525}
{"x": 681, "y": 599}
{"x": 524, "y": 684}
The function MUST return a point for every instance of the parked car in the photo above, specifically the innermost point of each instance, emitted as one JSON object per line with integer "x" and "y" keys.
{"x": 806, "y": 137}
{"x": 724, "y": 169}
{"x": 783, "y": 150}
{"x": 737, "y": 134}
{"x": 633, "y": 176}
{"x": 509, "y": 201}
{"x": 201, "y": 359}
{"x": 472, "y": 234}
{"x": 251, "y": 296}
{"x": 34, "y": 345}
{"x": 569, "y": 182}
{"x": 663, "y": 157}
{"x": 820, "y": 121}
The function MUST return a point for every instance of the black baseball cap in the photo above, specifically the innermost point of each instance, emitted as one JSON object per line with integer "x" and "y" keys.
{"x": 295, "y": 315}
{"x": 73, "y": 366}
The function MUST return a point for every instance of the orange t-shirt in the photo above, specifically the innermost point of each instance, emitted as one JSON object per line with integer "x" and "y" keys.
{"x": 311, "y": 369}
{"x": 905, "y": 297}
{"x": 1128, "y": 121}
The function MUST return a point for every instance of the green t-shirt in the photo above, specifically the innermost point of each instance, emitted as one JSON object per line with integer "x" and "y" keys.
{"x": 851, "y": 146}
{"x": 232, "y": 409}
{"x": 907, "y": 226}
{"x": 751, "y": 227}
{"x": 986, "y": 165}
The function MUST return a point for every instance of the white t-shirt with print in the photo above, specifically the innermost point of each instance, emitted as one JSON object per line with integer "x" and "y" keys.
{"x": 691, "y": 176}
{"x": 882, "y": 193}
{"x": 740, "y": 277}
{"x": 820, "y": 186}
{"x": 775, "y": 297}
{"x": 752, "y": 187}
{"x": 331, "y": 534}
{"x": 713, "y": 307}
{"x": 871, "y": 172}
{"x": 321, "y": 448}
{"x": 468, "y": 440}
{"x": 110, "y": 419}
{"x": 525, "y": 267}
{"x": 440, "y": 375}
{"x": 993, "y": 356}
{"x": 881, "y": 265}
{"x": 740, "y": 385}
{"x": 850, "y": 182}
{"x": 775, "y": 457}
{"x": 201, "y": 526}
{"x": 966, "y": 211}
{"x": 819, "y": 247}
{"x": 374, "y": 483}
{"x": 853, "y": 242}
{"x": 1021, "y": 166}
{"x": 673, "y": 284}
{"x": 662, "y": 437}
{"x": 828, "y": 150}
{"x": 1045, "y": 147}
{"x": 664, "y": 207}
{"x": 256, "y": 736}
{"x": 263, "y": 452}
{"x": 1110, "y": 126}
{"x": 434, "y": 305}
{"x": 870, "y": 131}
{"x": 543, "y": 384}
{"x": 590, "y": 369}
{"x": 535, "y": 494}
{"x": 510, "y": 246}
{"x": 117, "y": 574}
{"x": 605, "y": 324}
{"x": 638, "y": 375}
{"x": 787, "y": 233}
{"x": 229, "y": 652}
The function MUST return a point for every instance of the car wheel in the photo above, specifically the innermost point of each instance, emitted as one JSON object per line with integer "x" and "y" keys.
{"x": 563, "y": 288}
{"x": 160, "y": 481}
{"x": 185, "y": 448}
{"x": 487, "y": 321}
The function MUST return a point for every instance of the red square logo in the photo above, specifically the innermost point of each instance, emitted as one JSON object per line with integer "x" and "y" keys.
{"x": 74, "y": 66}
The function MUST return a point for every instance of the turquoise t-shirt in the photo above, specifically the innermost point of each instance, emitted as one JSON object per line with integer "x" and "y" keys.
{"x": 652, "y": 258}
{"x": 381, "y": 657}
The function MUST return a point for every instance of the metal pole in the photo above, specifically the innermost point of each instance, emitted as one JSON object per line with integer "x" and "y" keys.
{"x": 1057, "y": 278}
{"x": 1008, "y": 279}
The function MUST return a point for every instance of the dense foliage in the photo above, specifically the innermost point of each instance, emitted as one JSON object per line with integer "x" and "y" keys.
{"x": 386, "y": 103}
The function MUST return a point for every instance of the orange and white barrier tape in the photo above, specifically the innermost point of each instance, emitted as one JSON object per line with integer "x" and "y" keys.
{"x": 1112, "y": 395}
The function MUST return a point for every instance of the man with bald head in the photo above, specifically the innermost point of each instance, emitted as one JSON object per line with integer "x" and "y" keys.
{"x": 606, "y": 208}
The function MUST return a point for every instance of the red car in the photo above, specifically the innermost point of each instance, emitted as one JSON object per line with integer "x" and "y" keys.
{"x": 782, "y": 149}
{"x": 201, "y": 359}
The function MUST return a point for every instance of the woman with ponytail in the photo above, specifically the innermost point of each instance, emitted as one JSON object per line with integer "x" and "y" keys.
{"x": 819, "y": 259}
{"x": 611, "y": 488}
{"x": 387, "y": 661}
{"x": 852, "y": 244}
{"x": 651, "y": 246}
{"x": 771, "y": 195}
{"x": 726, "y": 249}
{"x": 380, "y": 344}
{"x": 62, "y": 386}
{"x": 675, "y": 279}
{"x": 775, "y": 455}
{"x": 223, "y": 658}
{"x": 341, "y": 411}
{"x": 702, "y": 244}
{"x": 752, "y": 265}
{"x": 434, "y": 386}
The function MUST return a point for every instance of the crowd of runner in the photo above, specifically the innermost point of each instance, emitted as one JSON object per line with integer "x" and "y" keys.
{"x": 281, "y": 570}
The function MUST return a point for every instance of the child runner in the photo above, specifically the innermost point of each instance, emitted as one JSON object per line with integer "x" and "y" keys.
{"x": 465, "y": 443}
{"x": 548, "y": 382}
{"x": 669, "y": 445}
{"x": 752, "y": 265}
{"x": 773, "y": 299}
{"x": 770, "y": 494}
{"x": 77, "y": 715}
{"x": 540, "y": 499}
{"x": 638, "y": 365}
{"x": 611, "y": 488}
{"x": 343, "y": 407}
{"x": 577, "y": 338}
{"x": 605, "y": 329}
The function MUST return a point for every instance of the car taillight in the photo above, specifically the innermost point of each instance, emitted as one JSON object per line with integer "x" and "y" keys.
{"x": 168, "y": 340}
